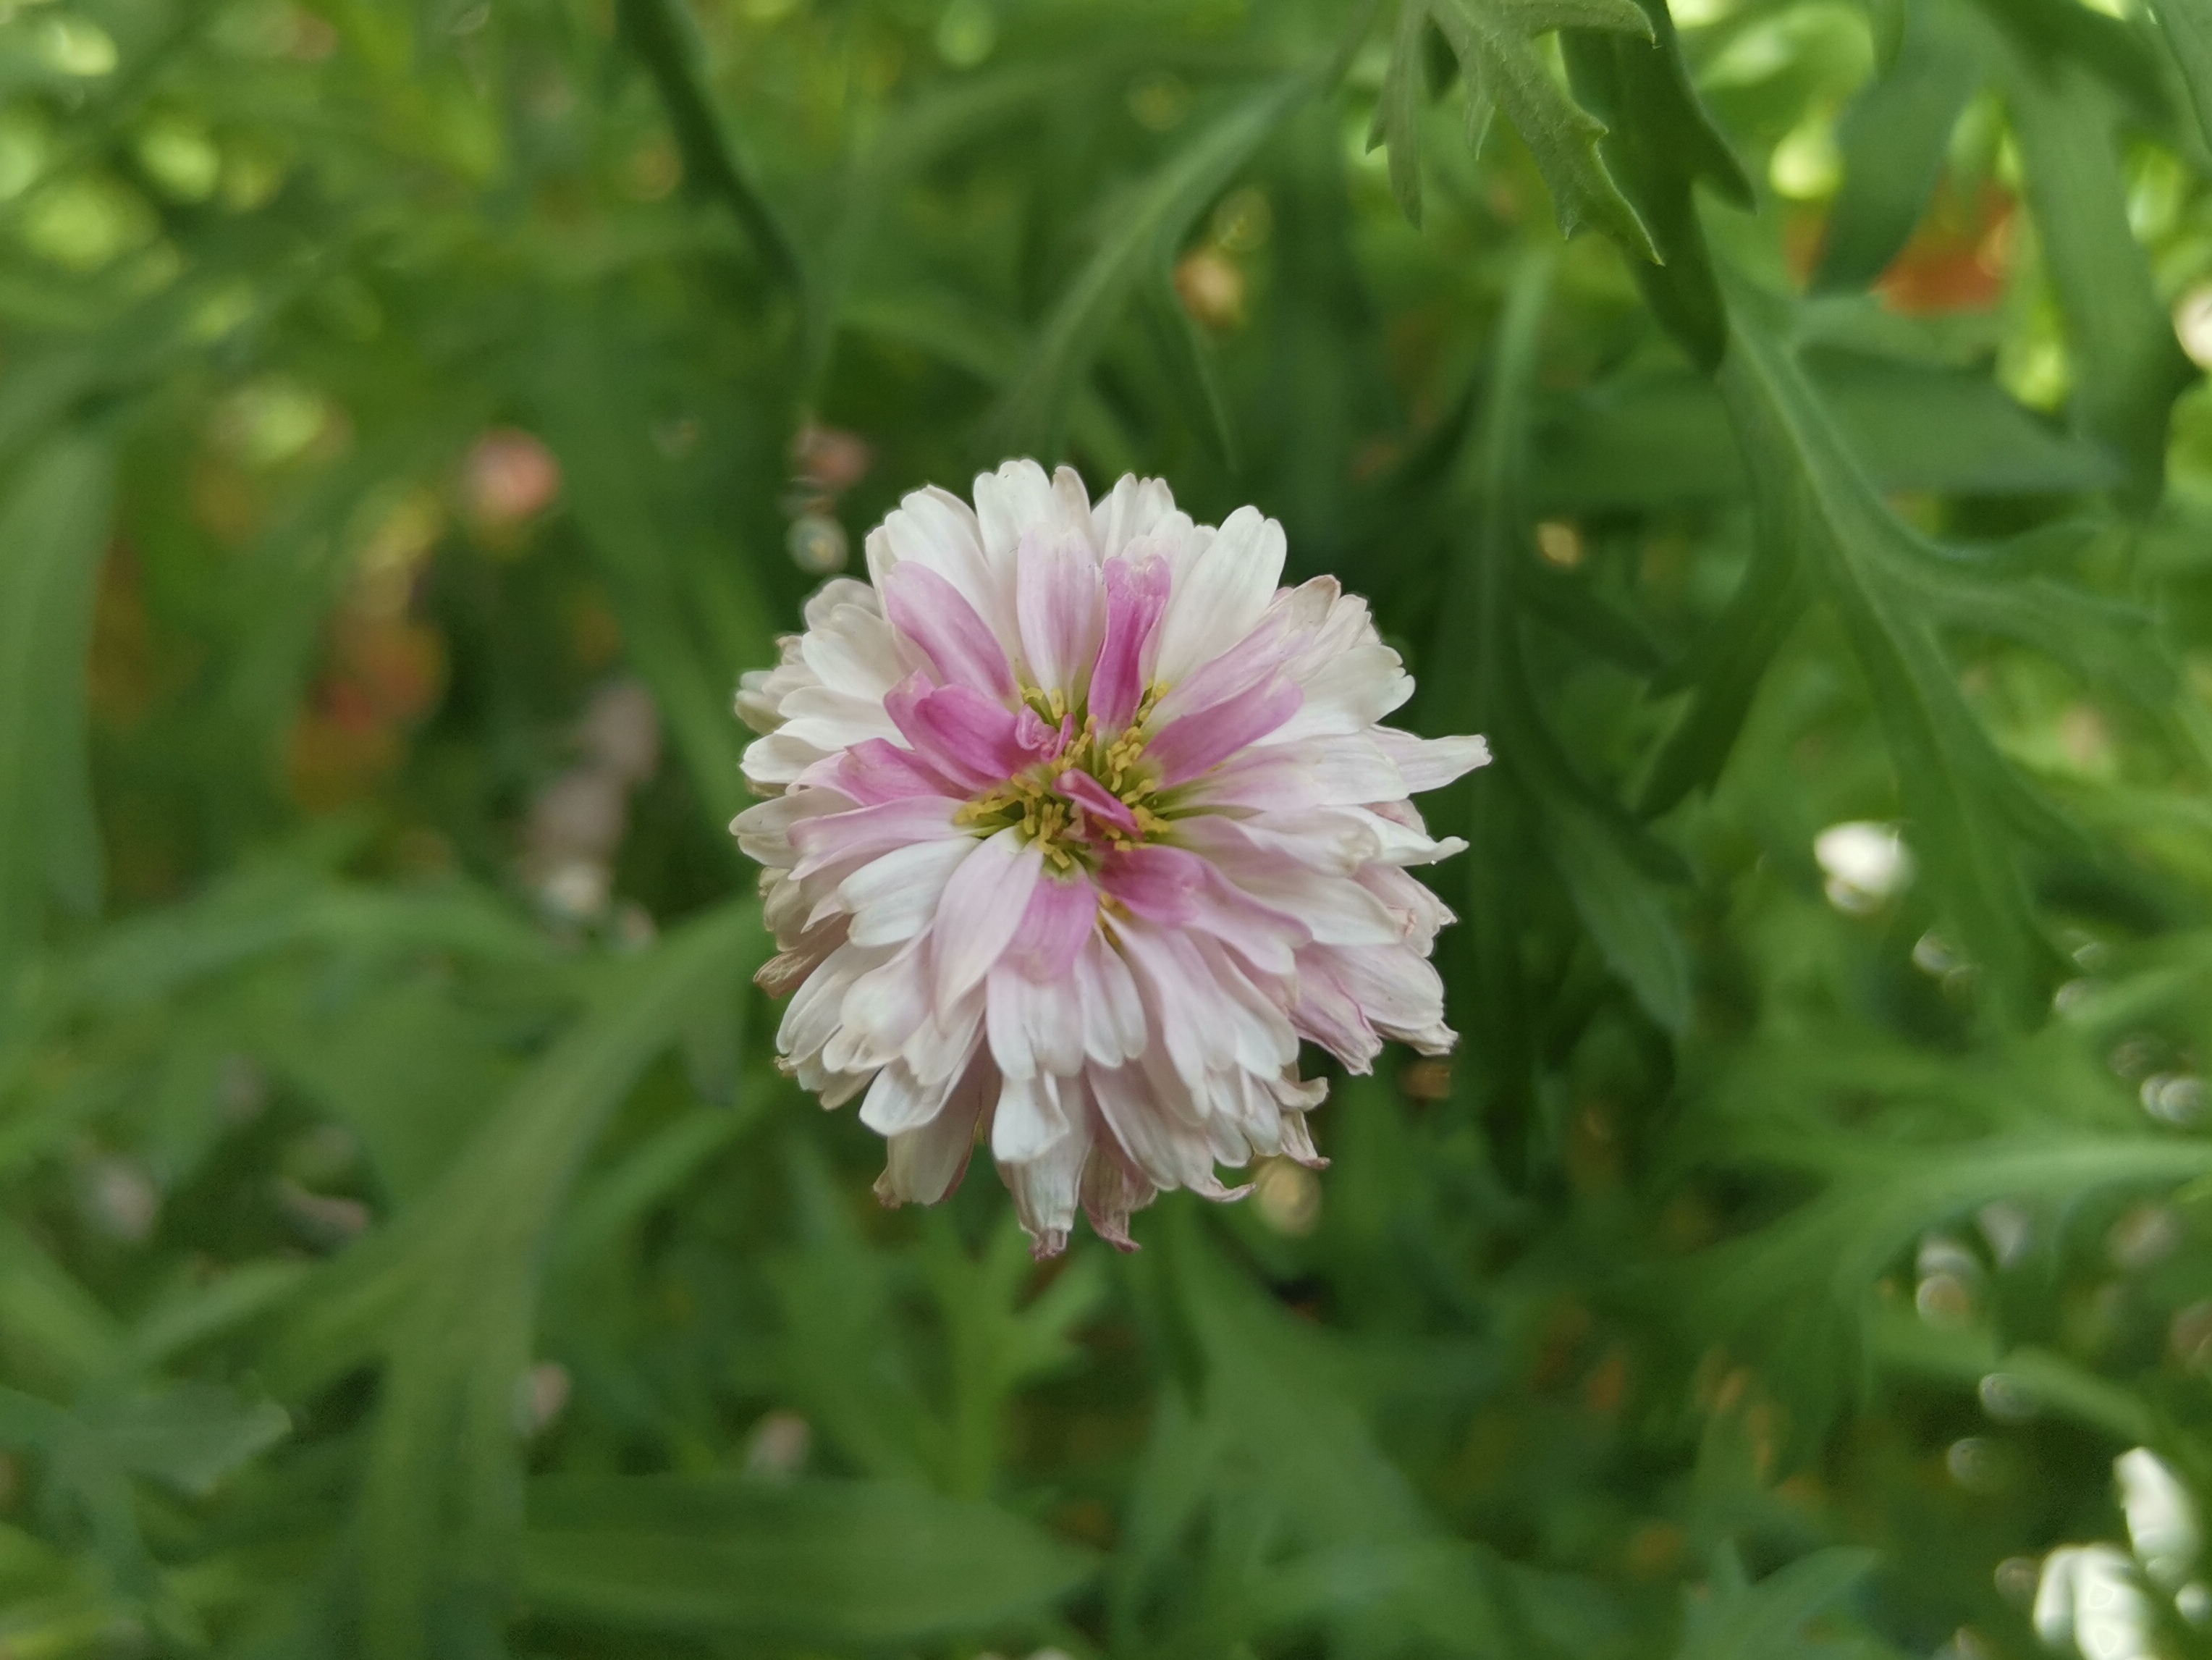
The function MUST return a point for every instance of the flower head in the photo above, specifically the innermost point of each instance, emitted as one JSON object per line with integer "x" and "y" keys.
{"x": 1080, "y": 825}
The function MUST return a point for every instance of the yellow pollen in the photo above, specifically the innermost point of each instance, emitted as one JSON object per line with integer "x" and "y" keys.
{"x": 1031, "y": 804}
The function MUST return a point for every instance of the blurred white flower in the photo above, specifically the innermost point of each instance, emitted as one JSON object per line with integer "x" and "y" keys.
{"x": 578, "y": 819}
{"x": 2097, "y": 1599}
{"x": 541, "y": 1395}
{"x": 118, "y": 1197}
{"x": 2092, "y": 1599}
{"x": 1864, "y": 863}
{"x": 2162, "y": 1523}
{"x": 780, "y": 1443}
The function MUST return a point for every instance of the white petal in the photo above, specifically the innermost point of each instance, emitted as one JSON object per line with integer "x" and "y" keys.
{"x": 898, "y": 1101}
{"x": 925, "y": 1165}
{"x": 980, "y": 911}
{"x": 893, "y": 899}
{"x": 944, "y": 1045}
{"x": 1128, "y": 511}
{"x": 1336, "y": 910}
{"x": 857, "y": 651}
{"x": 1429, "y": 763}
{"x": 835, "y": 595}
{"x": 881, "y": 1010}
{"x": 1028, "y": 1119}
{"x": 1350, "y": 692}
{"x": 1223, "y": 593}
{"x": 1045, "y": 1186}
{"x": 811, "y": 1018}
{"x": 1113, "y": 1013}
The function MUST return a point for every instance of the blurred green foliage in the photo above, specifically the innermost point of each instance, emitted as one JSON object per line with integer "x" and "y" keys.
{"x": 412, "y": 416}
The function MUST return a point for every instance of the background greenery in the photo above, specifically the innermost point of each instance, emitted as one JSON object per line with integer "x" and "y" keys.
{"x": 408, "y": 1248}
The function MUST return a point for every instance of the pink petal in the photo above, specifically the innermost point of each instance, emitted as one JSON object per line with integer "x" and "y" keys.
{"x": 1159, "y": 883}
{"x": 1096, "y": 799}
{"x": 972, "y": 740}
{"x": 1257, "y": 657}
{"x": 929, "y": 610}
{"x": 1136, "y": 594}
{"x": 868, "y": 832}
{"x": 1199, "y": 742}
{"x": 876, "y": 770}
{"x": 982, "y": 911}
{"x": 1058, "y": 604}
{"x": 1062, "y": 914}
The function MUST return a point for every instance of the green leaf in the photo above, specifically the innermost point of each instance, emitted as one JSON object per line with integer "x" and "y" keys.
{"x": 1726, "y": 669}
{"x": 935, "y": 124}
{"x": 49, "y": 1320}
{"x": 1663, "y": 440}
{"x": 448, "y": 1294}
{"x": 2126, "y": 363}
{"x": 1495, "y": 43}
{"x": 2186, "y": 28}
{"x": 834, "y": 1562}
{"x": 663, "y": 35}
{"x": 1397, "y": 122}
{"x": 1187, "y": 357}
{"x": 1661, "y": 143}
{"x": 1032, "y": 418}
{"x": 53, "y": 530}
{"x": 692, "y": 619}
{"x": 1625, "y": 912}
{"x": 1767, "y": 1622}
{"x": 1961, "y": 799}
{"x": 191, "y": 1435}
{"x": 1755, "y": 1291}
{"x": 1894, "y": 138}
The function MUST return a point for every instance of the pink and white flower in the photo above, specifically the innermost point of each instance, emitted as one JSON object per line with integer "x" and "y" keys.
{"x": 1080, "y": 825}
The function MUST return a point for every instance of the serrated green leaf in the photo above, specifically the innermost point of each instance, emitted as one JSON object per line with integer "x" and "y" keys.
{"x": 1397, "y": 121}
{"x": 1960, "y": 796}
{"x": 1661, "y": 143}
{"x": 1495, "y": 43}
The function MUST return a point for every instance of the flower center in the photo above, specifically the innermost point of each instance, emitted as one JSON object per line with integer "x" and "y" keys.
{"x": 1094, "y": 794}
